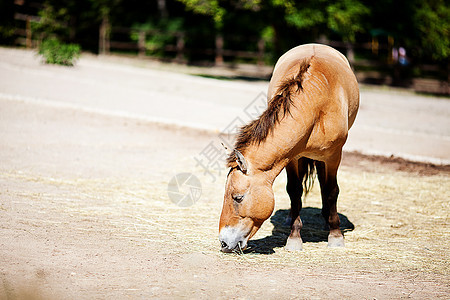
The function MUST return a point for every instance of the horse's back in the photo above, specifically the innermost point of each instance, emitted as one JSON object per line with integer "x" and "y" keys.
{"x": 330, "y": 59}
{"x": 329, "y": 71}
{"x": 326, "y": 105}
{"x": 291, "y": 57}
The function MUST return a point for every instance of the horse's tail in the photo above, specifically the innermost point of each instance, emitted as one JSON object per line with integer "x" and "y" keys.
{"x": 309, "y": 176}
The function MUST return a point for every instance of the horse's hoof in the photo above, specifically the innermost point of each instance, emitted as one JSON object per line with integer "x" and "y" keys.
{"x": 336, "y": 241}
{"x": 294, "y": 244}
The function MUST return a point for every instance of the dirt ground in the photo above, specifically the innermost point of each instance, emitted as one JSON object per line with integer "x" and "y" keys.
{"x": 86, "y": 215}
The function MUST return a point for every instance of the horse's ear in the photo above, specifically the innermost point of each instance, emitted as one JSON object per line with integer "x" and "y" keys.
{"x": 240, "y": 160}
{"x": 225, "y": 147}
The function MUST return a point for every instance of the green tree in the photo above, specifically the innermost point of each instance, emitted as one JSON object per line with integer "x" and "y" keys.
{"x": 307, "y": 15}
{"x": 432, "y": 20}
{"x": 346, "y": 18}
{"x": 207, "y": 7}
{"x": 53, "y": 21}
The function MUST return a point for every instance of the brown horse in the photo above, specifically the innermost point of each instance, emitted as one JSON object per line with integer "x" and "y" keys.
{"x": 313, "y": 99}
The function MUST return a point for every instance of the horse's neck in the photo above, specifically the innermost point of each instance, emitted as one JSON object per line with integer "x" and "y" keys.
{"x": 269, "y": 157}
{"x": 286, "y": 141}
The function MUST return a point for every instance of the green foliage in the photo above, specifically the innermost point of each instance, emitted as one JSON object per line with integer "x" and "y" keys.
{"x": 103, "y": 7}
{"x": 432, "y": 19}
{"x": 306, "y": 18}
{"x": 345, "y": 17}
{"x": 53, "y": 21}
{"x": 56, "y": 52}
{"x": 304, "y": 15}
{"x": 158, "y": 34}
{"x": 6, "y": 31}
{"x": 268, "y": 34}
{"x": 207, "y": 7}
{"x": 254, "y": 5}
{"x": 289, "y": 5}
{"x": 422, "y": 27}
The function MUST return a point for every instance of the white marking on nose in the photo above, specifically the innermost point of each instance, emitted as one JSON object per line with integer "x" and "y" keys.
{"x": 231, "y": 236}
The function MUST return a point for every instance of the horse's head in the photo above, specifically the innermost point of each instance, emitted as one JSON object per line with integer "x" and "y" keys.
{"x": 248, "y": 202}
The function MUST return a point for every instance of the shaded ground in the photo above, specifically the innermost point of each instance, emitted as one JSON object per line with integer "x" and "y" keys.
{"x": 314, "y": 230}
{"x": 85, "y": 215}
{"x": 372, "y": 163}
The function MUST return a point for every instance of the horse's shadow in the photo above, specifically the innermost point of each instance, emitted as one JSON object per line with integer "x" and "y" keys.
{"x": 314, "y": 230}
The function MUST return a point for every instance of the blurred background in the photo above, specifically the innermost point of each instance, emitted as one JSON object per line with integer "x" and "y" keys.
{"x": 388, "y": 42}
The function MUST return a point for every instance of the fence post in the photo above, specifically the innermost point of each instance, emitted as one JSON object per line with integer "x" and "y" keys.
{"x": 141, "y": 43}
{"x": 261, "y": 48}
{"x": 219, "y": 50}
{"x": 350, "y": 54}
{"x": 180, "y": 47}
{"x": 375, "y": 45}
{"x": 104, "y": 36}
{"x": 28, "y": 41}
{"x": 390, "y": 46}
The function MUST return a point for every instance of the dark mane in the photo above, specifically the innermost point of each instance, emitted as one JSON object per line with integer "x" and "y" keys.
{"x": 257, "y": 130}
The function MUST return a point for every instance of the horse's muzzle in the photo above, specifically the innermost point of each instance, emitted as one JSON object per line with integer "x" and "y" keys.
{"x": 232, "y": 240}
{"x": 228, "y": 249}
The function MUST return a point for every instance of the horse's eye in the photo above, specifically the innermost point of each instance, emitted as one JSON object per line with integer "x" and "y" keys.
{"x": 238, "y": 198}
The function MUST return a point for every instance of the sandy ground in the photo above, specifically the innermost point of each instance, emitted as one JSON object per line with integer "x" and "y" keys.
{"x": 389, "y": 122}
{"x": 86, "y": 213}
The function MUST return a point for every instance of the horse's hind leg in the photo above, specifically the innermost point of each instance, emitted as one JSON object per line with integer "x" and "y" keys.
{"x": 326, "y": 172}
{"x": 295, "y": 171}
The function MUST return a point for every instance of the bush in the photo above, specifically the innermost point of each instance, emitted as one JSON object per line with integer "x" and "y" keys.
{"x": 159, "y": 34}
{"x": 56, "y": 52}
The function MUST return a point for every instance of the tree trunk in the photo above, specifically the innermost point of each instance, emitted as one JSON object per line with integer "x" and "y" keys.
{"x": 162, "y": 7}
{"x": 180, "y": 48}
{"x": 141, "y": 43}
{"x": 28, "y": 40}
{"x": 350, "y": 54}
{"x": 219, "y": 49}
{"x": 261, "y": 50}
{"x": 104, "y": 35}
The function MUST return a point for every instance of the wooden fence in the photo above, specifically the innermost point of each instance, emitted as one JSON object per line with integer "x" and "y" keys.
{"x": 178, "y": 47}
{"x": 106, "y": 44}
{"x": 25, "y": 36}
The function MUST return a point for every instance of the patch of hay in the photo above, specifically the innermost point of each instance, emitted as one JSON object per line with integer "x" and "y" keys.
{"x": 394, "y": 222}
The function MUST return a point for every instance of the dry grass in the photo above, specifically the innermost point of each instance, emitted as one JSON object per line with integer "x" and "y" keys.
{"x": 401, "y": 220}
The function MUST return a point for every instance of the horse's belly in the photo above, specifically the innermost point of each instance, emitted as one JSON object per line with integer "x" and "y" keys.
{"x": 327, "y": 137}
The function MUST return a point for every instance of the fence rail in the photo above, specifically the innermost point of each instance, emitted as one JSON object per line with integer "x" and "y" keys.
{"x": 178, "y": 47}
